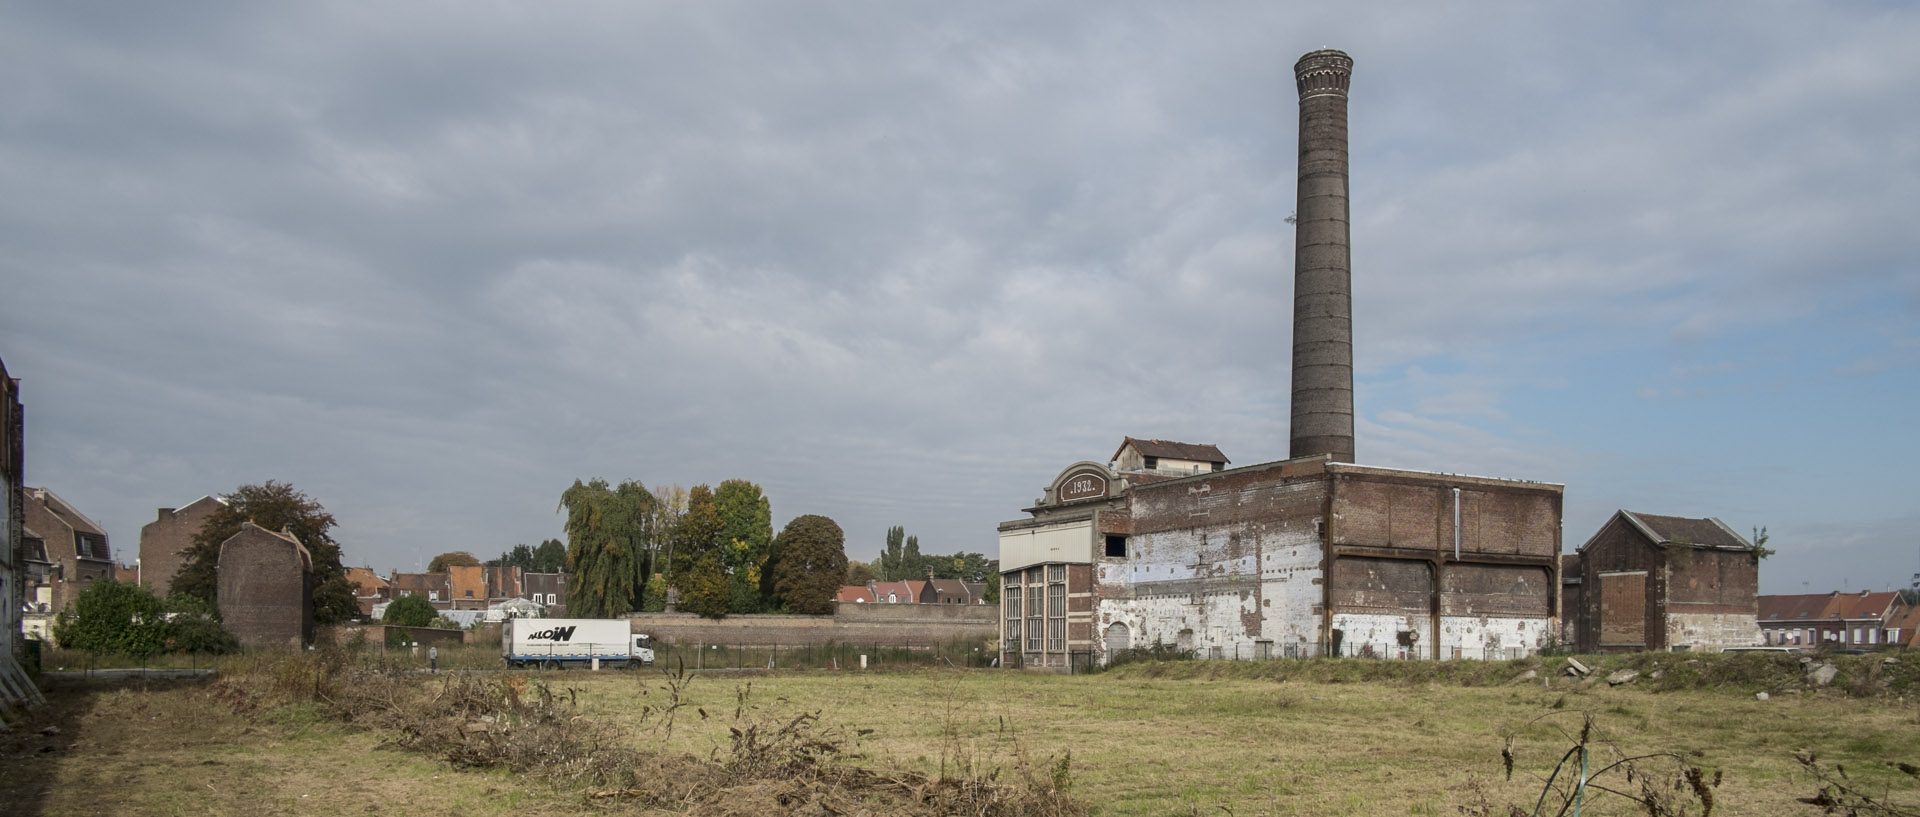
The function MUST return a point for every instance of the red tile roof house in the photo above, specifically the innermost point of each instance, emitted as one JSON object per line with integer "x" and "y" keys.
{"x": 369, "y": 588}
{"x": 947, "y": 591}
{"x": 897, "y": 592}
{"x": 854, "y": 594}
{"x": 1863, "y": 619}
{"x": 468, "y": 586}
{"x": 1904, "y": 628}
{"x": 1798, "y": 620}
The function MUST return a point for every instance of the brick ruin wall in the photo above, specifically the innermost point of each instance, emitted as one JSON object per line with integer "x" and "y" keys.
{"x": 264, "y": 593}
{"x": 1229, "y": 566}
{"x": 1497, "y": 600}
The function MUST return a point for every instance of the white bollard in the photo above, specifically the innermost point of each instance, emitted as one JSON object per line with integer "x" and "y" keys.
{"x": 596, "y": 664}
{"x": 863, "y": 660}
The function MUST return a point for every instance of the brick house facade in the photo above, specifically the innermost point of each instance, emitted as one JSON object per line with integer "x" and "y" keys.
{"x": 76, "y": 547}
{"x": 164, "y": 541}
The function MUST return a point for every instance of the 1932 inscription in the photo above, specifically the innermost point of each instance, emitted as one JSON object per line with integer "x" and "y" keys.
{"x": 1083, "y": 485}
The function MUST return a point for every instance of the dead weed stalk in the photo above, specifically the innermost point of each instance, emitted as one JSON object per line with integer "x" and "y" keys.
{"x": 1659, "y": 784}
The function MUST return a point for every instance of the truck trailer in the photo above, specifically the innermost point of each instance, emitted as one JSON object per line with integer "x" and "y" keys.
{"x": 557, "y": 643}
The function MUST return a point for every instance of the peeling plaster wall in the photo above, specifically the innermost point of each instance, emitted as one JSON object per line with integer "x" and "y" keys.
{"x": 1228, "y": 565}
{"x": 1711, "y": 632}
{"x": 1493, "y": 638}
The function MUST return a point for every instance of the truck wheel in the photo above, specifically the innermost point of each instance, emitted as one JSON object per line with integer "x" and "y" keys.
{"x": 553, "y": 665}
{"x": 633, "y": 663}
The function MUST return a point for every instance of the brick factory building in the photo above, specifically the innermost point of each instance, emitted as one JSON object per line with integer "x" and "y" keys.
{"x": 266, "y": 588}
{"x": 1666, "y": 583}
{"x": 1297, "y": 558}
{"x": 1308, "y": 556}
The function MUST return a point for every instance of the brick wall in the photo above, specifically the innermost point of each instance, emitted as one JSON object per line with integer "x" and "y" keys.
{"x": 266, "y": 589}
{"x": 162, "y": 540}
{"x": 884, "y": 624}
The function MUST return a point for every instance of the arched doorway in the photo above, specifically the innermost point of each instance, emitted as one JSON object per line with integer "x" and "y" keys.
{"x": 1119, "y": 640}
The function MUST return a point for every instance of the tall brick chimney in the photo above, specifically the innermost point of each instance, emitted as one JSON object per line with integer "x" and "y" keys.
{"x": 1322, "y": 290}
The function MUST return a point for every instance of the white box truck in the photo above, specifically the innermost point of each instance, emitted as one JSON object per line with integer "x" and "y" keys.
{"x": 556, "y": 643}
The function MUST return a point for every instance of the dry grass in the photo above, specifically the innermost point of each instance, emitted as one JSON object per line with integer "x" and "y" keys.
{"x": 1253, "y": 746}
{"x": 1221, "y": 740}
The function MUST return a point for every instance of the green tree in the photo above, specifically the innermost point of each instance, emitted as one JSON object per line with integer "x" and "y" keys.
{"x": 992, "y": 596}
{"x": 913, "y": 566}
{"x": 275, "y": 506}
{"x": 549, "y": 557}
{"x": 967, "y": 567}
{"x": 1760, "y": 537}
{"x": 696, "y": 534}
{"x": 609, "y": 531}
{"x": 860, "y": 573}
{"x": 654, "y": 597}
{"x": 813, "y": 558}
{"x": 410, "y": 611}
{"x": 113, "y": 617}
{"x": 745, "y": 541}
{"x": 443, "y": 561}
{"x": 892, "y": 558}
{"x": 519, "y": 556}
{"x": 705, "y": 590}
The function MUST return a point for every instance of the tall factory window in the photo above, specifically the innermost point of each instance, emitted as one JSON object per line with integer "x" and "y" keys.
{"x": 1033, "y": 616}
{"x": 1057, "y": 610}
{"x": 1012, "y": 595}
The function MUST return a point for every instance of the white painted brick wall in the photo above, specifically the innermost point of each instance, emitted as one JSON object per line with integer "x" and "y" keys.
{"x": 1711, "y": 632}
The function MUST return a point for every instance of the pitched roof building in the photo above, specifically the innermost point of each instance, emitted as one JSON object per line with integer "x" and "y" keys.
{"x": 1167, "y": 456}
{"x": 76, "y": 546}
{"x": 266, "y": 588}
{"x": 163, "y": 541}
{"x": 1652, "y": 582}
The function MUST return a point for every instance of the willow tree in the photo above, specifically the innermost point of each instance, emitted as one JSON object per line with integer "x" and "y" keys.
{"x": 609, "y": 546}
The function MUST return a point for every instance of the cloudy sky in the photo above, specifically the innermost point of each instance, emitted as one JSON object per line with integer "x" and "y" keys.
{"x": 899, "y": 263}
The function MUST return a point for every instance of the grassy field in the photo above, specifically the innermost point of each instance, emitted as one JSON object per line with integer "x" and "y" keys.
{"x": 1284, "y": 738}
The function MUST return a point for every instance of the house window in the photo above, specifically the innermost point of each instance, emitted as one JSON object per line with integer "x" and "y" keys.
{"x": 469, "y": 594}
{"x": 1152, "y": 463}
{"x": 551, "y": 599}
{"x": 433, "y": 595}
{"x": 1116, "y": 547}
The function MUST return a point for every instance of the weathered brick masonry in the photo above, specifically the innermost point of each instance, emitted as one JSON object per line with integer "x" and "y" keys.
{"x": 1665, "y": 582}
{"x": 1300, "y": 557}
{"x": 266, "y": 588}
{"x": 883, "y": 624}
{"x": 163, "y": 540}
